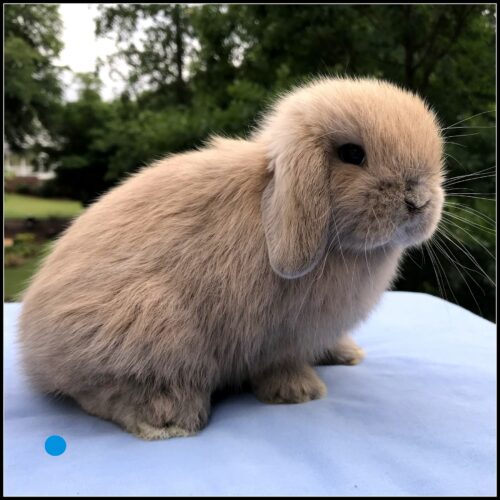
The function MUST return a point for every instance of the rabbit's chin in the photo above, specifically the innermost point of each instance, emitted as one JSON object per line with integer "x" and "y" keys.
{"x": 414, "y": 233}
{"x": 410, "y": 233}
{"x": 418, "y": 229}
{"x": 410, "y": 237}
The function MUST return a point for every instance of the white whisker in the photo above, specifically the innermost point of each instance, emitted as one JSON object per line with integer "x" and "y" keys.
{"x": 460, "y": 135}
{"x": 448, "y": 235}
{"x": 467, "y": 232}
{"x": 471, "y": 210}
{"x": 469, "y": 118}
{"x": 469, "y": 288}
{"x": 472, "y": 197}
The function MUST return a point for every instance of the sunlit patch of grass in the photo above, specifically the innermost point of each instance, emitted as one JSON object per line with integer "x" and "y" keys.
{"x": 19, "y": 206}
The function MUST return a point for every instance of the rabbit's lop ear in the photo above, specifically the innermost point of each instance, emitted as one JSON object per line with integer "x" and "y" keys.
{"x": 296, "y": 210}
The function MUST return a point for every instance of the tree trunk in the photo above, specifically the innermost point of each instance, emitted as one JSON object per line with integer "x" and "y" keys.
{"x": 179, "y": 55}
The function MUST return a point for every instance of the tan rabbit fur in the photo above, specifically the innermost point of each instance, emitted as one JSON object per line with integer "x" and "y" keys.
{"x": 248, "y": 260}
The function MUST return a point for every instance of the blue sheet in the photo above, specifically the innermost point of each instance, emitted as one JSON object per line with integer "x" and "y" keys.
{"x": 417, "y": 417}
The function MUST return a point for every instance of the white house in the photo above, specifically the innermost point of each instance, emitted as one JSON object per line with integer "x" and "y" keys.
{"x": 20, "y": 166}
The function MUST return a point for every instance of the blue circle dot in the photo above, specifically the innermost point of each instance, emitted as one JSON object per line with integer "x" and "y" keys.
{"x": 55, "y": 445}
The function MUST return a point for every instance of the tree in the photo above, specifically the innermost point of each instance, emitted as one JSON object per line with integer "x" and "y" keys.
{"x": 80, "y": 159}
{"x": 157, "y": 60}
{"x": 32, "y": 86}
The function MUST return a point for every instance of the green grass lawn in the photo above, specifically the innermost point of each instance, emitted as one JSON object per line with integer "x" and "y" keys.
{"x": 16, "y": 278}
{"x": 19, "y": 206}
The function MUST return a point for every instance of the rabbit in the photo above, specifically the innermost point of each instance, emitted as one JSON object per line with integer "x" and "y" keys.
{"x": 245, "y": 261}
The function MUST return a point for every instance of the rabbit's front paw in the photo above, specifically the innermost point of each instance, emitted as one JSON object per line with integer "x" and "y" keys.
{"x": 344, "y": 352}
{"x": 288, "y": 384}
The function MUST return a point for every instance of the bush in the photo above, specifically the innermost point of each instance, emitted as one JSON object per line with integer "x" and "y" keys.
{"x": 14, "y": 260}
{"x": 25, "y": 247}
{"x": 26, "y": 189}
{"x": 50, "y": 189}
{"x": 24, "y": 238}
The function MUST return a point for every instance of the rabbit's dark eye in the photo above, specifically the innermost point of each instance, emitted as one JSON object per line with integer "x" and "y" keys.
{"x": 351, "y": 153}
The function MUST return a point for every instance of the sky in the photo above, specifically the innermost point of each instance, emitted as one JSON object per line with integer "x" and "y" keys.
{"x": 82, "y": 48}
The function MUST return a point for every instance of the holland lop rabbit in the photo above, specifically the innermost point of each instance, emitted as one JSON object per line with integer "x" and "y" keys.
{"x": 246, "y": 261}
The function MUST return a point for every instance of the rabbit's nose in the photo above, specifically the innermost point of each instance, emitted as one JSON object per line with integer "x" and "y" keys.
{"x": 416, "y": 197}
{"x": 414, "y": 206}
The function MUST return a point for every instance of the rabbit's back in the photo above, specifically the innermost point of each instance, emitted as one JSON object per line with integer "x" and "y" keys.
{"x": 144, "y": 281}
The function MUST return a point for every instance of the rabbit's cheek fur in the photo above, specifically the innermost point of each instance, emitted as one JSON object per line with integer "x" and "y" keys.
{"x": 373, "y": 213}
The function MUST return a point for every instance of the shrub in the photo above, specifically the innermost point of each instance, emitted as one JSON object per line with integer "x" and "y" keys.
{"x": 24, "y": 238}
{"x": 26, "y": 189}
{"x": 14, "y": 260}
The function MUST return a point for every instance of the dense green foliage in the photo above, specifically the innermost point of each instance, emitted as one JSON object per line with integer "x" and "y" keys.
{"x": 201, "y": 70}
{"x": 32, "y": 87}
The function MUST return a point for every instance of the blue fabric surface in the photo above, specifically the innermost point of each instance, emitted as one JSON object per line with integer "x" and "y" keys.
{"x": 417, "y": 417}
